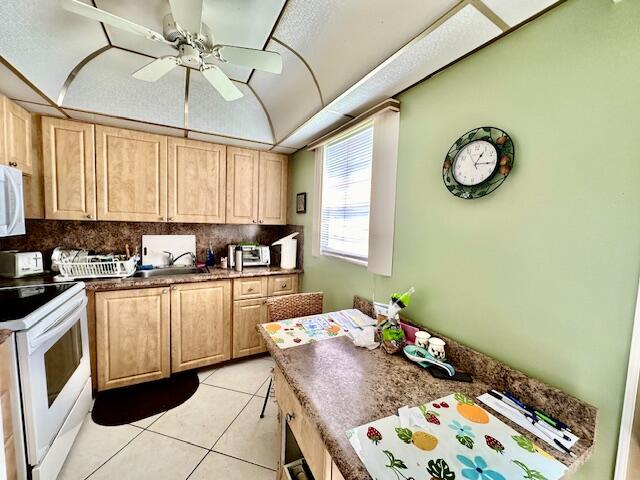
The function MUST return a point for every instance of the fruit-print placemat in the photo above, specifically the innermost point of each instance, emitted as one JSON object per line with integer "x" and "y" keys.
{"x": 447, "y": 439}
{"x": 291, "y": 333}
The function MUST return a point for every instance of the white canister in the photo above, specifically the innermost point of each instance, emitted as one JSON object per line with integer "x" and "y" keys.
{"x": 422, "y": 339}
{"x": 436, "y": 348}
{"x": 288, "y": 255}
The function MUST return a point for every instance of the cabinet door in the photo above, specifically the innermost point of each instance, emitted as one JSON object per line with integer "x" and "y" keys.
{"x": 197, "y": 181}
{"x": 132, "y": 336}
{"x": 242, "y": 185}
{"x": 131, "y": 175}
{"x": 69, "y": 169}
{"x": 33, "y": 184}
{"x": 200, "y": 324}
{"x": 273, "y": 189}
{"x": 17, "y": 124}
{"x": 246, "y": 315}
{"x": 6, "y": 424}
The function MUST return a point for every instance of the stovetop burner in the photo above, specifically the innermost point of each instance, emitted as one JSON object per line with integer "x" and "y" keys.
{"x": 18, "y": 302}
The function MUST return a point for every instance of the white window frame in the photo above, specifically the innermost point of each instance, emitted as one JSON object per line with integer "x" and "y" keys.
{"x": 386, "y": 123}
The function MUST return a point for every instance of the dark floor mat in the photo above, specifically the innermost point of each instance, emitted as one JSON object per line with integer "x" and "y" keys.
{"x": 130, "y": 404}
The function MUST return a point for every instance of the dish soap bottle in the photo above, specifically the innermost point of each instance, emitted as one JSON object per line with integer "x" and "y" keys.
{"x": 211, "y": 258}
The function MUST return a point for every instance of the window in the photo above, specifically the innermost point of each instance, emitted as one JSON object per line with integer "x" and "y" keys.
{"x": 346, "y": 195}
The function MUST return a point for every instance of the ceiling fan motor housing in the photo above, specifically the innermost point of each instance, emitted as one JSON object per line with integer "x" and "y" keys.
{"x": 189, "y": 55}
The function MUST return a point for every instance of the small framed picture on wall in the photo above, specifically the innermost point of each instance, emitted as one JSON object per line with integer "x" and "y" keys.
{"x": 301, "y": 202}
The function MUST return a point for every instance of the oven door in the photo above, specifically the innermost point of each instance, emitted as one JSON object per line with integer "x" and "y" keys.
{"x": 53, "y": 358}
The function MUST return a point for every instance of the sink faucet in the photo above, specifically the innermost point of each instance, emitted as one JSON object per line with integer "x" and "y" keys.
{"x": 173, "y": 260}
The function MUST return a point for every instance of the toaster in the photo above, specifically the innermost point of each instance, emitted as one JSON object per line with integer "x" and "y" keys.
{"x": 16, "y": 264}
{"x": 252, "y": 255}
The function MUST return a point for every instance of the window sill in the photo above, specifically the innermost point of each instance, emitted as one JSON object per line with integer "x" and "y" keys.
{"x": 362, "y": 263}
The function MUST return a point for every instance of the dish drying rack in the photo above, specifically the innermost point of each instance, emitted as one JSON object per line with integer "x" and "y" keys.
{"x": 96, "y": 266}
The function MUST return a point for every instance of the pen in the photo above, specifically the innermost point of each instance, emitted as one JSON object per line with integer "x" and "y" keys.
{"x": 557, "y": 424}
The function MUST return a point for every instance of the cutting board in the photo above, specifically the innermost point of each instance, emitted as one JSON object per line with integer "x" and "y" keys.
{"x": 154, "y": 246}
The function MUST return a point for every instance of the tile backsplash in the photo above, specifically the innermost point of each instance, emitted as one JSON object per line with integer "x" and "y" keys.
{"x": 107, "y": 237}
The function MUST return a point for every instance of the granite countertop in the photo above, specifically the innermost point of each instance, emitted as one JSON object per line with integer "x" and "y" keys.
{"x": 342, "y": 386}
{"x": 157, "y": 281}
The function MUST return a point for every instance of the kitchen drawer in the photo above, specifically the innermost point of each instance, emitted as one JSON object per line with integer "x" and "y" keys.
{"x": 244, "y": 288}
{"x": 283, "y": 285}
{"x": 304, "y": 431}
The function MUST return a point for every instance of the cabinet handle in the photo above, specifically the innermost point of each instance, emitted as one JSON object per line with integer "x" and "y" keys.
{"x": 13, "y": 164}
{"x": 174, "y": 288}
{"x": 250, "y": 290}
{"x": 284, "y": 285}
{"x": 260, "y": 221}
{"x": 89, "y": 215}
{"x": 165, "y": 291}
{"x": 253, "y": 221}
{"x": 290, "y": 416}
{"x": 169, "y": 219}
{"x": 162, "y": 218}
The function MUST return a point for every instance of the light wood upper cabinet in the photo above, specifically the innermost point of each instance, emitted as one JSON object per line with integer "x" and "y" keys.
{"x": 196, "y": 181}
{"x": 200, "y": 324}
{"x": 243, "y": 167}
{"x": 69, "y": 169}
{"x": 16, "y": 134}
{"x": 33, "y": 184}
{"x": 273, "y": 189}
{"x": 132, "y": 336}
{"x": 131, "y": 175}
{"x": 247, "y": 314}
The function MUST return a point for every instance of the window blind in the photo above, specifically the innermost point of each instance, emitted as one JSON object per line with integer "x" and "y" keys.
{"x": 346, "y": 195}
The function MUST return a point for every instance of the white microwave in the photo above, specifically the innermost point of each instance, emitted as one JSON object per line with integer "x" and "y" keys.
{"x": 11, "y": 202}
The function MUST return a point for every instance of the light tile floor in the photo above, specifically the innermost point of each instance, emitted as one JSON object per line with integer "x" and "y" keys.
{"x": 216, "y": 434}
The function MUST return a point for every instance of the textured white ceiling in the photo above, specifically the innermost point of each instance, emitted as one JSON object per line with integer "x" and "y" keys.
{"x": 340, "y": 57}
{"x": 105, "y": 85}
{"x": 515, "y": 11}
{"x": 244, "y": 118}
{"x": 361, "y": 33}
{"x": 291, "y": 97}
{"x": 44, "y": 42}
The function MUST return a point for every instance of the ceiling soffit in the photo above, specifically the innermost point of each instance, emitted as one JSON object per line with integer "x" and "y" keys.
{"x": 339, "y": 59}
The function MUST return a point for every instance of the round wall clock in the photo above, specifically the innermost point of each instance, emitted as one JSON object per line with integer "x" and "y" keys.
{"x": 478, "y": 162}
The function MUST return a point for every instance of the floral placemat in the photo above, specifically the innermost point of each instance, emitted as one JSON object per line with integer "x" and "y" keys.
{"x": 292, "y": 333}
{"x": 447, "y": 439}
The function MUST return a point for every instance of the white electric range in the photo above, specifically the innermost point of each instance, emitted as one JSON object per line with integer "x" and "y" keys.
{"x": 52, "y": 351}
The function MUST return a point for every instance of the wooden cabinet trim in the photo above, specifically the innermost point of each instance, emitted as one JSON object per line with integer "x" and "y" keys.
{"x": 273, "y": 189}
{"x": 208, "y": 334}
{"x": 246, "y": 288}
{"x": 283, "y": 285}
{"x": 134, "y": 185}
{"x": 133, "y": 359}
{"x": 62, "y": 157}
{"x": 246, "y": 315}
{"x": 17, "y": 128}
{"x": 242, "y": 198}
{"x": 202, "y": 188}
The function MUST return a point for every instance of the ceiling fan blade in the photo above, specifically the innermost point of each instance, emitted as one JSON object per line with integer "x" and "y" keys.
{"x": 221, "y": 82}
{"x": 187, "y": 14}
{"x": 249, "y": 57}
{"x": 157, "y": 69}
{"x": 76, "y": 6}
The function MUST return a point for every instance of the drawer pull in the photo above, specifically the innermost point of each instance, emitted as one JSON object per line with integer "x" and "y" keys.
{"x": 250, "y": 290}
{"x": 13, "y": 164}
{"x": 290, "y": 416}
{"x": 284, "y": 285}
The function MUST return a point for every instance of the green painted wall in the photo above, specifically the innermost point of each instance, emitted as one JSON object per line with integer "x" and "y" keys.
{"x": 543, "y": 273}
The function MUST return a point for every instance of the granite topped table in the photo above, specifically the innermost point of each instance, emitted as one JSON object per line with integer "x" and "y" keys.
{"x": 341, "y": 386}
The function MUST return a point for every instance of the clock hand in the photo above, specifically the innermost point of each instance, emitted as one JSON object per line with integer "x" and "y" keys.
{"x": 479, "y": 158}
{"x": 484, "y": 163}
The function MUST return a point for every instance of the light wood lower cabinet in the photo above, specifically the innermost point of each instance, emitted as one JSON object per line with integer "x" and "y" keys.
{"x": 291, "y": 413}
{"x": 132, "y": 336}
{"x": 200, "y": 324}
{"x": 247, "y": 314}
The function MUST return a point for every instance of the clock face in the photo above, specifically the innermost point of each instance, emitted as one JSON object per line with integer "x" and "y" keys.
{"x": 475, "y": 163}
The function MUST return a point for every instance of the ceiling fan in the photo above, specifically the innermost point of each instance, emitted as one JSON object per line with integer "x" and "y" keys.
{"x": 183, "y": 30}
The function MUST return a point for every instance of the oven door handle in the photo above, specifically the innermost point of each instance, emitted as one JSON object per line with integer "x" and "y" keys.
{"x": 64, "y": 320}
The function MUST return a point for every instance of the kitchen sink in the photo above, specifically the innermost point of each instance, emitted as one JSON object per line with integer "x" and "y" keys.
{"x": 163, "y": 271}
